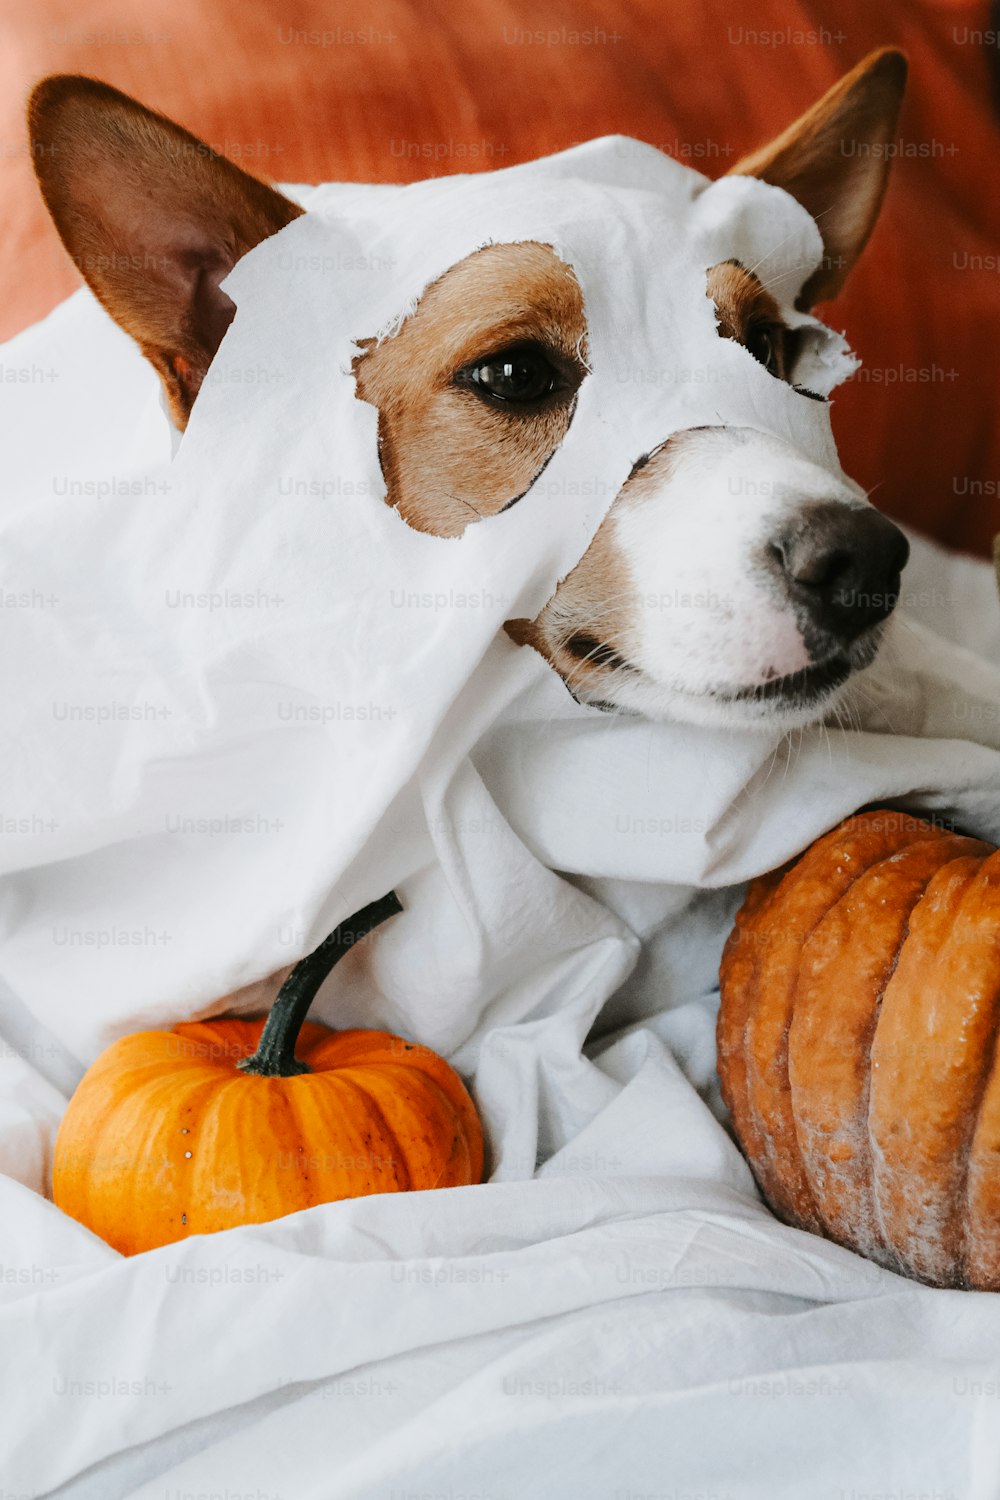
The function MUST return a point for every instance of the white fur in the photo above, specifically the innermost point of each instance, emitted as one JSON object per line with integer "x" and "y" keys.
{"x": 705, "y": 619}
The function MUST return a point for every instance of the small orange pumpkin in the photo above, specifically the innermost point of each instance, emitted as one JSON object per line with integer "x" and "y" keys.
{"x": 218, "y": 1123}
{"x": 857, "y": 1037}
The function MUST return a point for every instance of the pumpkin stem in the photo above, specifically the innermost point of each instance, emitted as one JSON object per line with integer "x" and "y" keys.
{"x": 275, "y": 1055}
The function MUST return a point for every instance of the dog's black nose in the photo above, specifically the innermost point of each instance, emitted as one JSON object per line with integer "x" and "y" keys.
{"x": 841, "y": 566}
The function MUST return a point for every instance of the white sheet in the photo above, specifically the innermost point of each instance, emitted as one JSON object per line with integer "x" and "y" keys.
{"x": 615, "y": 1314}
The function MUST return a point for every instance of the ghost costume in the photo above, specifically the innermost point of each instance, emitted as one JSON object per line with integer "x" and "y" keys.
{"x": 243, "y": 698}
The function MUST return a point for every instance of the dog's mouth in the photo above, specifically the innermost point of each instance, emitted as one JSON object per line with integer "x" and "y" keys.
{"x": 797, "y": 689}
{"x": 806, "y": 690}
{"x": 618, "y": 686}
{"x": 800, "y": 697}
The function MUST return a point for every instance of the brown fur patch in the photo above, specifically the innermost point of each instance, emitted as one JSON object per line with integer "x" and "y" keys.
{"x": 448, "y": 456}
{"x": 597, "y": 598}
{"x": 747, "y": 312}
{"x": 589, "y": 609}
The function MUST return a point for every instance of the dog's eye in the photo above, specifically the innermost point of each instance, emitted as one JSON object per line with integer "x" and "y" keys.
{"x": 762, "y": 343}
{"x": 517, "y": 376}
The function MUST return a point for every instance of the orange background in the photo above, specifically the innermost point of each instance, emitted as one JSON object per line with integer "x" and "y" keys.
{"x": 258, "y": 79}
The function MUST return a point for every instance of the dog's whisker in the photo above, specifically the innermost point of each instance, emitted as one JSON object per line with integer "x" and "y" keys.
{"x": 774, "y": 250}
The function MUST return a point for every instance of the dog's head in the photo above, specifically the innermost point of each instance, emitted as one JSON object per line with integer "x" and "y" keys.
{"x": 734, "y": 580}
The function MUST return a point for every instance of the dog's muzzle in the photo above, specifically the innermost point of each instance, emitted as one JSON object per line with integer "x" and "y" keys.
{"x": 840, "y": 567}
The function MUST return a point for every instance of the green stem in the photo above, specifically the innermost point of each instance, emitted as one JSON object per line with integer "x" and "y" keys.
{"x": 275, "y": 1055}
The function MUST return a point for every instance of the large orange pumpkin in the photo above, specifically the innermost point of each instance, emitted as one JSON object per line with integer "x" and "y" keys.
{"x": 857, "y": 1043}
{"x": 219, "y": 1123}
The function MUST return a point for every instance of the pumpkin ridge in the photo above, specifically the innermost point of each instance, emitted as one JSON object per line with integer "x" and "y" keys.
{"x": 977, "y": 1094}
{"x": 964, "y": 1192}
{"x": 455, "y": 1114}
{"x": 930, "y": 1222}
{"x": 456, "y": 1124}
{"x": 136, "y": 1130}
{"x": 196, "y": 1106}
{"x": 815, "y": 856}
{"x": 876, "y": 1204}
{"x": 294, "y": 1133}
{"x": 978, "y": 1097}
{"x": 106, "y": 1151}
{"x": 132, "y": 1056}
{"x": 240, "y": 1113}
{"x": 226, "y": 1038}
{"x": 163, "y": 1197}
{"x": 130, "y": 1080}
{"x": 875, "y": 1200}
{"x": 451, "y": 1112}
{"x": 72, "y": 1180}
{"x": 734, "y": 1076}
{"x": 291, "y": 1129}
{"x": 457, "y": 1139}
{"x": 799, "y": 1113}
{"x": 981, "y": 1265}
{"x": 398, "y": 1158}
{"x": 321, "y": 1115}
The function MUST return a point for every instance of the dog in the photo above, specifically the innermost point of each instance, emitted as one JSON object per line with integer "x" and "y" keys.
{"x": 477, "y": 388}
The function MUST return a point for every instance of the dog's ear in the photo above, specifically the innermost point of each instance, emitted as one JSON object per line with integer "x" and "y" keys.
{"x": 835, "y": 162}
{"x": 153, "y": 218}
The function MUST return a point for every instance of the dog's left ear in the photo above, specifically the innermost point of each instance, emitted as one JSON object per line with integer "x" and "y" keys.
{"x": 153, "y": 218}
{"x": 835, "y": 163}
